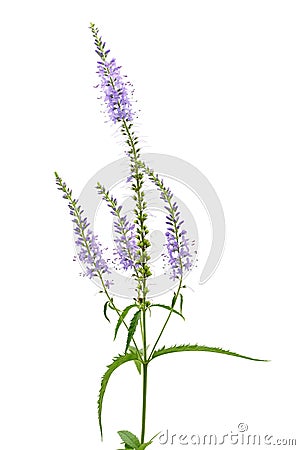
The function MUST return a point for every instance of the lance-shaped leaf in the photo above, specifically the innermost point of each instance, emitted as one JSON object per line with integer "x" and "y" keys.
{"x": 181, "y": 303}
{"x": 129, "y": 439}
{"x": 174, "y": 299}
{"x": 117, "y": 362}
{"x": 143, "y": 446}
{"x": 168, "y": 308}
{"x": 105, "y": 310}
{"x": 122, "y": 317}
{"x": 132, "y": 328}
{"x": 200, "y": 348}
{"x": 137, "y": 362}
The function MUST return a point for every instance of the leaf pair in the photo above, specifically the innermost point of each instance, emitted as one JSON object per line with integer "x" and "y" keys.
{"x": 174, "y": 300}
{"x": 122, "y": 317}
{"x": 133, "y": 324}
{"x": 133, "y": 356}
{"x": 135, "y": 320}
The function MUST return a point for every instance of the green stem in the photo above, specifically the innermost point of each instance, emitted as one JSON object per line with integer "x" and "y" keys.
{"x": 145, "y": 370}
{"x": 166, "y": 322}
{"x": 144, "y": 407}
{"x": 142, "y": 283}
{"x": 144, "y": 335}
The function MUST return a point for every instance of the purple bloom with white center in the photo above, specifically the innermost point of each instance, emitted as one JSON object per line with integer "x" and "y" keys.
{"x": 90, "y": 251}
{"x": 116, "y": 90}
{"x": 126, "y": 248}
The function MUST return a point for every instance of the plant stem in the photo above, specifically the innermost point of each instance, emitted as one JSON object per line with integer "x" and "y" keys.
{"x": 145, "y": 370}
{"x": 144, "y": 407}
{"x": 166, "y": 322}
{"x": 145, "y": 272}
{"x": 143, "y": 244}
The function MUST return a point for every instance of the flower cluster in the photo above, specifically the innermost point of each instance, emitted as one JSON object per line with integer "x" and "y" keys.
{"x": 117, "y": 94}
{"x": 177, "y": 243}
{"x": 116, "y": 91}
{"x": 90, "y": 251}
{"x": 131, "y": 242}
{"x": 126, "y": 248}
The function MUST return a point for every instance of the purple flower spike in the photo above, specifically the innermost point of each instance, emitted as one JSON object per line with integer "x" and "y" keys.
{"x": 126, "y": 248}
{"x": 116, "y": 90}
{"x": 90, "y": 251}
{"x": 177, "y": 243}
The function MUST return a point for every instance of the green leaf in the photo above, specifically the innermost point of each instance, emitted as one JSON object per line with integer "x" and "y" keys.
{"x": 143, "y": 446}
{"x": 169, "y": 308}
{"x": 122, "y": 317}
{"x": 105, "y": 310}
{"x": 181, "y": 303}
{"x": 129, "y": 439}
{"x": 200, "y": 348}
{"x": 117, "y": 362}
{"x": 173, "y": 300}
{"x": 132, "y": 328}
{"x": 137, "y": 362}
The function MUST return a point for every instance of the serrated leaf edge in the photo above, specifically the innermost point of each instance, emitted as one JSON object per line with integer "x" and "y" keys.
{"x": 132, "y": 439}
{"x": 122, "y": 317}
{"x": 200, "y": 348}
{"x": 132, "y": 328}
{"x": 117, "y": 362}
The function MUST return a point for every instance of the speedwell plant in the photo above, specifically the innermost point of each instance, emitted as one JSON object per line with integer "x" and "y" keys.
{"x": 131, "y": 245}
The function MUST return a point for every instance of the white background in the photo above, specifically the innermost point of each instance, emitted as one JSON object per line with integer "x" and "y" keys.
{"x": 218, "y": 85}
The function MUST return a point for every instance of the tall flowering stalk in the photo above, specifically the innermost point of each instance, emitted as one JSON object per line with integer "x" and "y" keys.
{"x": 132, "y": 244}
{"x": 119, "y": 109}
